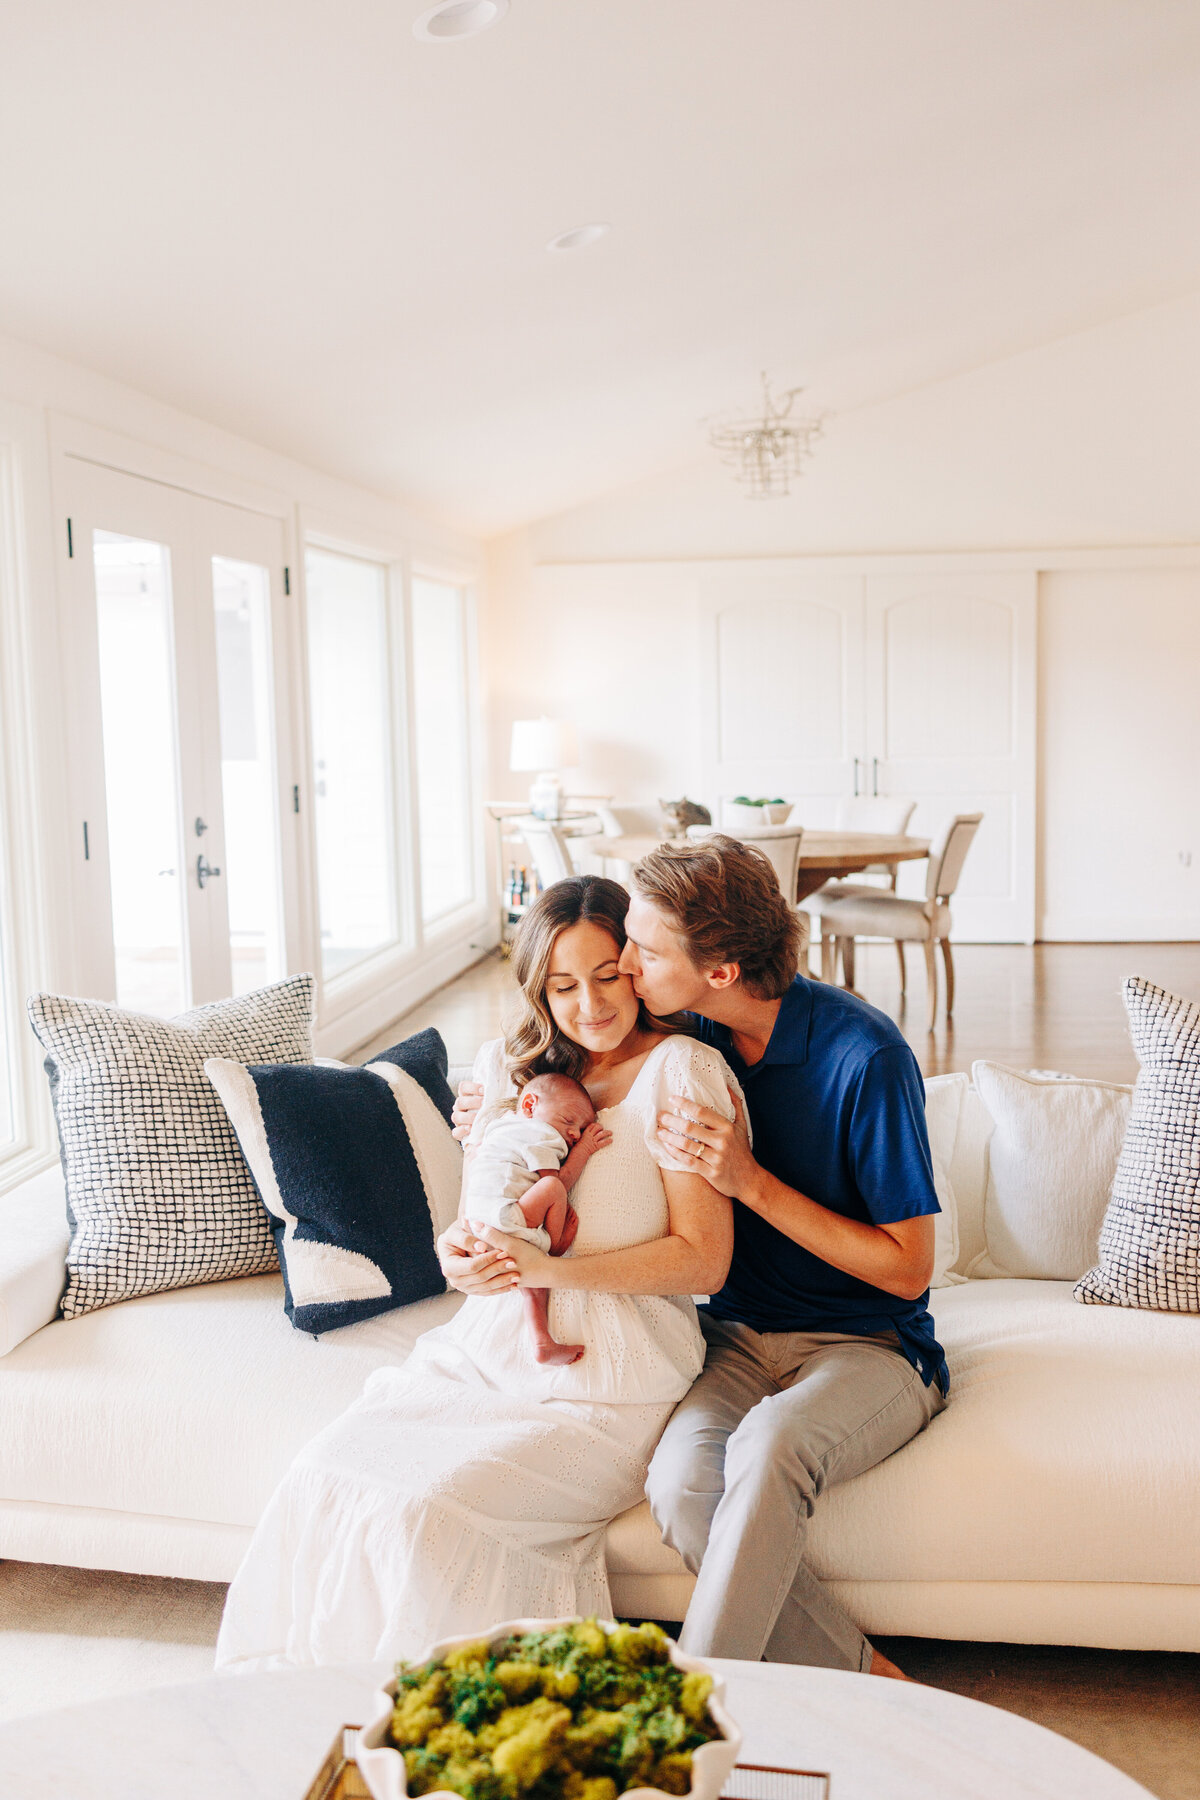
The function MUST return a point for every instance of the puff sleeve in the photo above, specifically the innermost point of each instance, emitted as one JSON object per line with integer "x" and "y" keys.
{"x": 691, "y": 1071}
{"x": 490, "y": 1070}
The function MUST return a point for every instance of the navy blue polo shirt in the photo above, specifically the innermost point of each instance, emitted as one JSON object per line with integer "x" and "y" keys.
{"x": 838, "y": 1110}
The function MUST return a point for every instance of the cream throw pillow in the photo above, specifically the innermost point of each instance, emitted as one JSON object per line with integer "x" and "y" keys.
{"x": 1052, "y": 1158}
{"x": 943, "y": 1104}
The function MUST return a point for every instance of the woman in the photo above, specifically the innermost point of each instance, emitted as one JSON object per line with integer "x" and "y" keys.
{"x": 474, "y": 1484}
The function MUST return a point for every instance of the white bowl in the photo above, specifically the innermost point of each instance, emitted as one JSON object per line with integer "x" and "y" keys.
{"x": 778, "y": 812}
{"x": 383, "y": 1770}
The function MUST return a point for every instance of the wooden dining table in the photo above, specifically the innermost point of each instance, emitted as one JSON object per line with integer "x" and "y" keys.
{"x": 824, "y": 855}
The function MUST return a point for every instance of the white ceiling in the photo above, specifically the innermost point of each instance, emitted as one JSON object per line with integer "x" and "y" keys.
{"x": 298, "y": 222}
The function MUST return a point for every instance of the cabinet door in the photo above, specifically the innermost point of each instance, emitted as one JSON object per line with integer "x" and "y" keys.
{"x": 951, "y": 723}
{"x": 782, "y": 674}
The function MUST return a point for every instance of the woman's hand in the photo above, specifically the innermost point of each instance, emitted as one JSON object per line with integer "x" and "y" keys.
{"x": 467, "y": 1103}
{"x": 710, "y": 1145}
{"x": 534, "y": 1269}
{"x": 472, "y": 1266}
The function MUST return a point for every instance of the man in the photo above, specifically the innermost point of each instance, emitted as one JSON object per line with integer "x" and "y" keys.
{"x": 821, "y": 1355}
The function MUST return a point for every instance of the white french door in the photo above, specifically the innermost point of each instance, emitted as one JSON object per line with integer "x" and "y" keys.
{"x": 170, "y": 606}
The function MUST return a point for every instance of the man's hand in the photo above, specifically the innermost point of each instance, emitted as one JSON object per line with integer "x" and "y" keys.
{"x": 710, "y": 1145}
{"x": 467, "y": 1103}
{"x": 472, "y": 1266}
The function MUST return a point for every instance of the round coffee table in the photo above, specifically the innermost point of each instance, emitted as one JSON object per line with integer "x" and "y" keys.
{"x": 263, "y": 1737}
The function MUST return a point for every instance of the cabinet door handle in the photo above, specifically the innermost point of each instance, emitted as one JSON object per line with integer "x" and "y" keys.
{"x": 204, "y": 870}
{"x": 875, "y": 776}
{"x": 856, "y": 762}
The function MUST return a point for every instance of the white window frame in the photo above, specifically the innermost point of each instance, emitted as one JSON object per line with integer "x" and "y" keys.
{"x": 33, "y": 934}
{"x": 359, "y": 1001}
{"x": 467, "y": 912}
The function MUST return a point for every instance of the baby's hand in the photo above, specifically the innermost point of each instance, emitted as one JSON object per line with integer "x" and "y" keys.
{"x": 594, "y": 1137}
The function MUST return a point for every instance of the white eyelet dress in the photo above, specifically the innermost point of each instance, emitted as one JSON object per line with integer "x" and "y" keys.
{"x": 473, "y": 1484}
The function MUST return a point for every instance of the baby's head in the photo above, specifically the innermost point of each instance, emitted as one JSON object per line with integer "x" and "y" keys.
{"x": 559, "y": 1102}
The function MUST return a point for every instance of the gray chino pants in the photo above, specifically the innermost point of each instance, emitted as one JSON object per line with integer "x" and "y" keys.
{"x": 773, "y": 1420}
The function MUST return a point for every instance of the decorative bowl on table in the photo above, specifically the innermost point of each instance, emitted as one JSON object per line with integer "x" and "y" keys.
{"x": 745, "y": 814}
{"x": 517, "y": 1700}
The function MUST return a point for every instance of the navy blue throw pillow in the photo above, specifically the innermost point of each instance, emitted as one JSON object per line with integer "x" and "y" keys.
{"x": 357, "y": 1171}
{"x": 424, "y": 1057}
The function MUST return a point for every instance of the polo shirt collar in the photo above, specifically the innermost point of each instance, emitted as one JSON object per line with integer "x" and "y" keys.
{"x": 788, "y": 1043}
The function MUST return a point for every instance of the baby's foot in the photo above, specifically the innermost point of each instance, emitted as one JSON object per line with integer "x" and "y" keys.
{"x": 545, "y": 1350}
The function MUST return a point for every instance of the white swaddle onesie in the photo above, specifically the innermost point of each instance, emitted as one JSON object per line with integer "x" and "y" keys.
{"x": 513, "y": 1151}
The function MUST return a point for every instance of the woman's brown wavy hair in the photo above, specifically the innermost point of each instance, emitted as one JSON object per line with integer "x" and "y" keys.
{"x": 533, "y": 1042}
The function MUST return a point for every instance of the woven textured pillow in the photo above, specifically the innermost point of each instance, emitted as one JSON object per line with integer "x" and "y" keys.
{"x": 158, "y": 1192}
{"x": 1150, "y": 1241}
{"x": 358, "y": 1172}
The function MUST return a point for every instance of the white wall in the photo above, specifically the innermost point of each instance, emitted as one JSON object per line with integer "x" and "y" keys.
{"x": 1091, "y": 441}
{"x": 1120, "y": 731}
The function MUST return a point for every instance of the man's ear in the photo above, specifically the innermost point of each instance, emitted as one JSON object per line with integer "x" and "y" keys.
{"x": 723, "y": 976}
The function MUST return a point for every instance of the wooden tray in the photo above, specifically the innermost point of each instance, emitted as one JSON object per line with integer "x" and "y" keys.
{"x": 338, "y": 1778}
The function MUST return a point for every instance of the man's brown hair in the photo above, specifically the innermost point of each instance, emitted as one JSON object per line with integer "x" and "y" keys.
{"x": 724, "y": 901}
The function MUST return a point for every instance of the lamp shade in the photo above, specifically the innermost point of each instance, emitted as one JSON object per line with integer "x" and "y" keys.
{"x": 542, "y": 744}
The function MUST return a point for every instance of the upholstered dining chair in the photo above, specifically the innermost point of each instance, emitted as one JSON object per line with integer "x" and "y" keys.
{"x": 780, "y": 844}
{"x": 864, "y": 812}
{"x": 875, "y": 912}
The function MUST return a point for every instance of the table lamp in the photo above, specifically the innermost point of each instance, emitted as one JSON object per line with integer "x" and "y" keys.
{"x": 542, "y": 747}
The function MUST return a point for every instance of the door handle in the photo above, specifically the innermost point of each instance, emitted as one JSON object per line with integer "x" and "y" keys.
{"x": 875, "y": 776}
{"x": 856, "y": 763}
{"x": 204, "y": 870}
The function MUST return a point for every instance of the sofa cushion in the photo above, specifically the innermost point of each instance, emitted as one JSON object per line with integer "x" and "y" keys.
{"x": 336, "y": 1164}
{"x": 188, "y": 1404}
{"x": 33, "y": 1249}
{"x": 158, "y": 1193}
{"x": 1150, "y": 1240}
{"x": 1051, "y": 1161}
{"x": 1070, "y": 1451}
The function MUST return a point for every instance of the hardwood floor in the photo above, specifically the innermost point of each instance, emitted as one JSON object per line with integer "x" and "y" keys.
{"x": 1052, "y": 1006}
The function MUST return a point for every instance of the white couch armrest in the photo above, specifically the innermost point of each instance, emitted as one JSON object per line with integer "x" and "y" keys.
{"x": 33, "y": 1256}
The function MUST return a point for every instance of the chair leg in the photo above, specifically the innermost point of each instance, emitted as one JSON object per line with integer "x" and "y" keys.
{"x": 949, "y": 962}
{"x": 847, "y": 949}
{"x": 805, "y": 924}
{"x": 903, "y": 966}
{"x": 828, "y": 956}
{"x": 931, "y": 979}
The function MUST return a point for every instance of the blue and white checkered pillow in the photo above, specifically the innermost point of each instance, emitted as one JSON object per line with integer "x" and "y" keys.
{"x": 1149, "y": 1252}
{"x": 158, "y": 1193}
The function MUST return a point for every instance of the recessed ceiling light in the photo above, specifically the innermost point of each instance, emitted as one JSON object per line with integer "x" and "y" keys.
{"x": 457, "y": 19}
{"x": 577, "y": 238}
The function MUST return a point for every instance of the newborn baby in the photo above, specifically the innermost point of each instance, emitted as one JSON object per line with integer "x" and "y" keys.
{"x": 518, "y": 1178}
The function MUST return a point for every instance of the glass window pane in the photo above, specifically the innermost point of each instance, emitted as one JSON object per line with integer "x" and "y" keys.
{"x": 242, "y": 603}
{"x": 141, "y": 781}
{"x": 443, "y": 749}
{"x": 348, "y": 687}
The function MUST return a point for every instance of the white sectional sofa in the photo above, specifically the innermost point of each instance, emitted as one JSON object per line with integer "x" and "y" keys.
{"x": 1056, "y": 1500}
